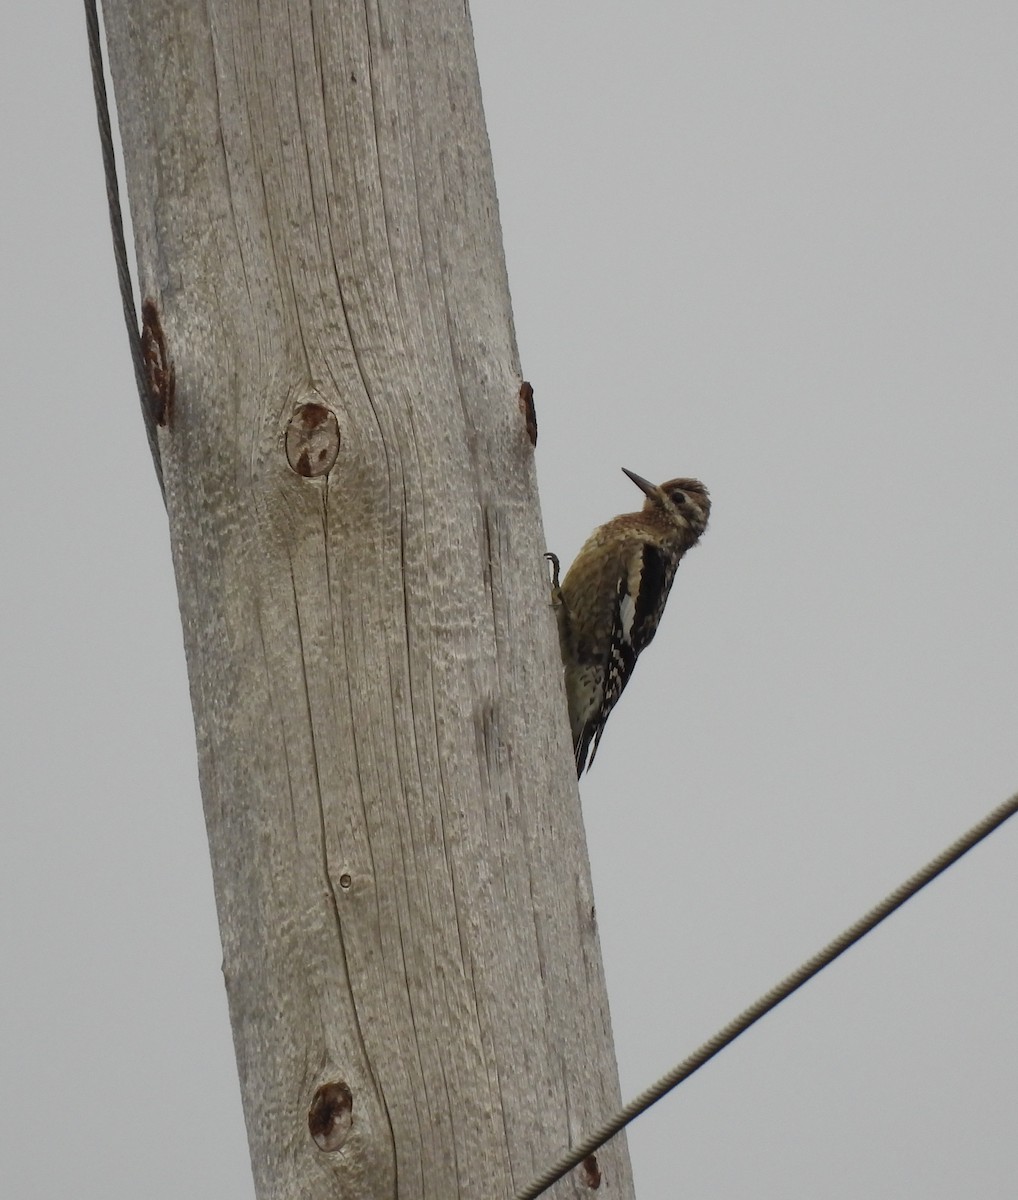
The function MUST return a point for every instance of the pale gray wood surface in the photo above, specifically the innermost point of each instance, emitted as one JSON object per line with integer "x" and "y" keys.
{"x": 397, "y": 845}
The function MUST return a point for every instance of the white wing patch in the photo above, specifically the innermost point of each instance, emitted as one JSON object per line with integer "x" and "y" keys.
{"x": 627, "y": 611}
{"x": 629, "y": 589}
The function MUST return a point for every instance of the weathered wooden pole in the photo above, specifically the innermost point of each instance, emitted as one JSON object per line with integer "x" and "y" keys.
{"x": 409, "y": 942}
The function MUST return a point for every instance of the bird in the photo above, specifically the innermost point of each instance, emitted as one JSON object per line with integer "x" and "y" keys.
{"x": 611, "y": 601}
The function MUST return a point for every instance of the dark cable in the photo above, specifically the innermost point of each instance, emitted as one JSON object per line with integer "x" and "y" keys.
{"x": 102, "y": 109}
{"x": 782, "y": 991}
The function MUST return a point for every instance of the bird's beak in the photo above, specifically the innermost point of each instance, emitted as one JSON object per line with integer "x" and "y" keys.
{"x": 644, "y": 485}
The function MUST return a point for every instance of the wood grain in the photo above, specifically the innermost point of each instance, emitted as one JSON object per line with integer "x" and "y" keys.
{"x": 397, "y": 844}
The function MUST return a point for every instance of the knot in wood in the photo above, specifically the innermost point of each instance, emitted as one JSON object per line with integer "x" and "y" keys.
{"x": 590, "y": 1173}
{"x": 529, "y": 411}
{"x": 159, "y": 372}
{"x": 331, "y": 1115}
{"x": 312, "y": 440}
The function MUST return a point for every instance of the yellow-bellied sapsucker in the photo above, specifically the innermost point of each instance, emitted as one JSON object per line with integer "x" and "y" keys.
{"x": 611, "y": 600}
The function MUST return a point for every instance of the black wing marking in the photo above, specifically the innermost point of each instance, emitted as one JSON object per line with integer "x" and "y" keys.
{"x": 640, "y": 600}
{"x": 657, "y": 571}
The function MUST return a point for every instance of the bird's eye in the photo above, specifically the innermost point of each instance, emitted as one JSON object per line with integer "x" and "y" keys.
{"x": 679, "y": 497}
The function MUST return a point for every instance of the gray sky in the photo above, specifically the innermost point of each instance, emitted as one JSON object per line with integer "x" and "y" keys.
{"x": 772, "y": 245}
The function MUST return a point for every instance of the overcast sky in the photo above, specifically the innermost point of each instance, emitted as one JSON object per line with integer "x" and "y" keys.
{"x": 771, "y": 245}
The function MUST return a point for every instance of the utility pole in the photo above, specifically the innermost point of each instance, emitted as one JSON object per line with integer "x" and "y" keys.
{"x": 409, "y": 943}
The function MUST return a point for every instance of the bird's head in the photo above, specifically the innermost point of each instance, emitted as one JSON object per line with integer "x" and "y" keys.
{"x": 686, "y": 502}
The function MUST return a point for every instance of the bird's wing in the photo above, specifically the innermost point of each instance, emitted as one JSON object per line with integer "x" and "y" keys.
{"x": 640, "y": 599}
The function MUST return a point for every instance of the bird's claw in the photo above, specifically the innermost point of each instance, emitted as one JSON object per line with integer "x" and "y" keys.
{"x": 555, "y": 568}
